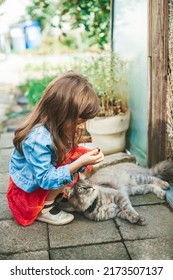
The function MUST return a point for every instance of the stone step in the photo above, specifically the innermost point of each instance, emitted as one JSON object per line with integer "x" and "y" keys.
{"x": 114, "y": 159}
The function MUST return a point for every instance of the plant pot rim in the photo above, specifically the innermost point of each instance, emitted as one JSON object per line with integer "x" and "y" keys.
{"x": 117, "y": 115}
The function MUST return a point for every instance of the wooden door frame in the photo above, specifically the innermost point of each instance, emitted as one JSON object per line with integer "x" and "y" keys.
{"x": 157, "y": 79}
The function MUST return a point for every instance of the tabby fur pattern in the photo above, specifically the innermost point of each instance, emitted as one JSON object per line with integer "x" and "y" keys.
{"x": 105, "y": 195}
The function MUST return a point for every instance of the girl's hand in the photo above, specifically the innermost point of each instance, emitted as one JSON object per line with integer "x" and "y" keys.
{"x": 90, "y": 158}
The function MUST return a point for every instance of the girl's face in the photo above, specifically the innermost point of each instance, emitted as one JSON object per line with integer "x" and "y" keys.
{"x": 81, "y": 125}
{"x": 78, "y": 132}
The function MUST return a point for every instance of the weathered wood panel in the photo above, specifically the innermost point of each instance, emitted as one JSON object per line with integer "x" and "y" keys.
{"x": 157, "y": 78}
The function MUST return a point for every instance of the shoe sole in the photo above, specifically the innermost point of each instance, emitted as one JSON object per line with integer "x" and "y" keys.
{"x": 55, "y": 222}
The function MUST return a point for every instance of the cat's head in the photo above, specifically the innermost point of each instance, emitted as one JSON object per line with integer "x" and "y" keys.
{"x": 82, "y": 195}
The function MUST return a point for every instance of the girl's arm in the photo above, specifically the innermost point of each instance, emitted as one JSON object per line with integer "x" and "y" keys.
{"x": 90, "y": 158}
{"x": 37, "y": 152}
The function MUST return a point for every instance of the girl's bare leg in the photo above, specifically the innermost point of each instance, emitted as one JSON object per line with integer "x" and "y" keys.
{"x": 53, "y": 194}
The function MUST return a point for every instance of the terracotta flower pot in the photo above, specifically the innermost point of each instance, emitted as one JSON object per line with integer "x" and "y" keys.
{"x": 108, "y": 133}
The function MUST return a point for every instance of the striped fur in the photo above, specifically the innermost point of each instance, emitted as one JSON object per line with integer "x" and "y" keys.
{"x": 107, "y": 191}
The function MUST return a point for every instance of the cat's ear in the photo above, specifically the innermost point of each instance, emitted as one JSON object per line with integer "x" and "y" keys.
{"x": 69, "y": 192}
{"x": 82, "y": 176}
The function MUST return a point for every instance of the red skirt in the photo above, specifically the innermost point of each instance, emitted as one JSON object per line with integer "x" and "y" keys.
{"x": 25, "y": 206}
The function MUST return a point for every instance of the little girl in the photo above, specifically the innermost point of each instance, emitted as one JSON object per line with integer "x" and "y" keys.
{"x": 47, "y": 157}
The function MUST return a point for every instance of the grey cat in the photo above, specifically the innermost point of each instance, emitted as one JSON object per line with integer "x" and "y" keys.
{"x": 106, "y": 194}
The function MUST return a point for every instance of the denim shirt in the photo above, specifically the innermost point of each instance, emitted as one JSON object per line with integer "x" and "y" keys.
{"x": 36, "y": 167}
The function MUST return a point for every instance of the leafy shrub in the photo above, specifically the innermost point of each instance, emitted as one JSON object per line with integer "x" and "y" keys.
{"x": 34, "y": 88}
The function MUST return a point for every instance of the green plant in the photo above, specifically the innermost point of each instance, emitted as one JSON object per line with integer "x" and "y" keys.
{"x": 92, "y": 16}
{"x": 34, "y": 88}
{"x": 2, "y": 1}
{"x": 108, "y": 76}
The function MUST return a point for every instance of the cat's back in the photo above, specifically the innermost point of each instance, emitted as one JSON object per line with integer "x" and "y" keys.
{"x": 119, "y": 168}
{"x": 118, "y": 173}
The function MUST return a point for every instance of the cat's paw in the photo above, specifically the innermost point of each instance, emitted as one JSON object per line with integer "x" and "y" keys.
{"x": 164, "y": 185}
{"x": 141, "y": 221}
{"x": 138, "y": 219}
{"x": 161, "y": 194}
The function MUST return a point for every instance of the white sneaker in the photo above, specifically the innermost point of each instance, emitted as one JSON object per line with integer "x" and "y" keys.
{"x": 53, "y": 215}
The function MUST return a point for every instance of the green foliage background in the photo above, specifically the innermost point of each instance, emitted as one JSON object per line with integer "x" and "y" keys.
{"x": 93, "y": 15}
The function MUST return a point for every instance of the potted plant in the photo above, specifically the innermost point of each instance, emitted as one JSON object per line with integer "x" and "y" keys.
{"x": 108, "y": 128}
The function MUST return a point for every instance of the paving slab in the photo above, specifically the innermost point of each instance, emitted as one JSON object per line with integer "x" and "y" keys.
{"x": 114, "y": 159}
{"x": 5, "y": 155}
{"x": 108, "y": 251}
{"x": 5, "y": 212}
{"x": 158, "y": 223}
{"x": 6, "y": 101}
{"x": 15, "y": 238}
{"x": 7, "y": 94}
{"x": 37, "y": 255}
{"x": 4, "y": 179}
{"x": 151, "y": 249}
{"x": 147, "y": 199}
{"x": 6, "y": 140}
{"x": 4, "y": 109}
{"x": 82, "y": 231}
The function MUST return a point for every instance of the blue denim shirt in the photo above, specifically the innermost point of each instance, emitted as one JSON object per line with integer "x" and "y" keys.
{"x": 36, "y": 167}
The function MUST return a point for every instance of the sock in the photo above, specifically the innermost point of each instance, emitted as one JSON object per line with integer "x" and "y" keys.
{"x": 48, "y": 202}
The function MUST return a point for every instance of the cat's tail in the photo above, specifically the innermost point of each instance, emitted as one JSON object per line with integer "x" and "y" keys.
{"x": 163, "y": 170}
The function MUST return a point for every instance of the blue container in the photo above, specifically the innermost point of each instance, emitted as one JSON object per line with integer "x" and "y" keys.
{"x": 32, "y": 34}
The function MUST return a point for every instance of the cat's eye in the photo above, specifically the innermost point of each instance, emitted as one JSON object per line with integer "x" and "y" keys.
{"x": 80, "y": 190}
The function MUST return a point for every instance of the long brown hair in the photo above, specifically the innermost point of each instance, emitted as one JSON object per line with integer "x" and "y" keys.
{"x": 66, "y": 99}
